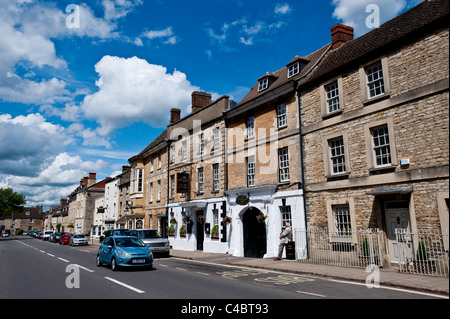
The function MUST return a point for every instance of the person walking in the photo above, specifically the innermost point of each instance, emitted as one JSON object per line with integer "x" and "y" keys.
{"x": 285, "y": 236}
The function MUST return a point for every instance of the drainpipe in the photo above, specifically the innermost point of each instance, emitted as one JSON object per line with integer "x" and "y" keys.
{"x": 166, "y": 235}
{"x": 302, "y": 165}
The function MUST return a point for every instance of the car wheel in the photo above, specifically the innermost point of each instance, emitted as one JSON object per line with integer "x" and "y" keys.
{"x": 99, "y": 262}
{"x": 113, "y": 264}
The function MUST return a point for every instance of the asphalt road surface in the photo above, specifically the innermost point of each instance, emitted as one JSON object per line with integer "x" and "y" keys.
{"x": 34, "y": 269}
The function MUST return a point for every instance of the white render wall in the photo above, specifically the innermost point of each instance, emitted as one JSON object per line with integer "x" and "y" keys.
{"x": 264, "y": 198}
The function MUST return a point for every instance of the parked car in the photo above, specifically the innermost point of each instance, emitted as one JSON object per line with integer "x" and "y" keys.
{"x": 124, "y": 251}
{"x": 5, "y": 235}
{"x": 39, "y": 235}
{"x": 152, "y": 239}
{"x": 35, "y": 232}
{"x": 78, "y": 239}
{"x": 46, "y": 234}
{"x": 117, "y": 232}
{"x": 65, "y": 239}
{"x": 55, "y": 237}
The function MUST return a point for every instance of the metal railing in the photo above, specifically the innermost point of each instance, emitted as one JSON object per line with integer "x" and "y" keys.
{"x": 423, "y": 252}
{"x": 358, "y": 248}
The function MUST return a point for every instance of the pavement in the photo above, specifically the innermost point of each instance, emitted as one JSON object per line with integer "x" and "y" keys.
{"x": 387, "y": 276}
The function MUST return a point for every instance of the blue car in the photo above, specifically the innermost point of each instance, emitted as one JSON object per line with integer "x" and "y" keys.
{"x": 124, "y": 251}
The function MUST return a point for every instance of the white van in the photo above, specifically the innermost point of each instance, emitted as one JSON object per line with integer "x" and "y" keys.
{"x": 46, "y": 235}
{"x": 153, "y": 240}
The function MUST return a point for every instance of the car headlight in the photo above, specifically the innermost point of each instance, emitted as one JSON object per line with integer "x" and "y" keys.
{"x": 123, "y": 254}
{"x": 149, "y": 254}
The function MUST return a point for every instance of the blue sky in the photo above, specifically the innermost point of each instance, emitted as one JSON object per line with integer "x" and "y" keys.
{"x": 84, "y": 97}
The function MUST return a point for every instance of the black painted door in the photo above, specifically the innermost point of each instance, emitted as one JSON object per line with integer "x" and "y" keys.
{"x": 255, "y": 243}
{"x": 200, "y": 233}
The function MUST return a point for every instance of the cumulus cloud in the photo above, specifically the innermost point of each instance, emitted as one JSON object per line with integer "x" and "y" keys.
{"x": 132, "y": 90}
{"x": 28, "y": 30}
{"x": 27, "y": 141}
{"x": 57, "y": 179}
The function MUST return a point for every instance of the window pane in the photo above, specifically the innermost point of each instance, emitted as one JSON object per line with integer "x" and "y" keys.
{"x": 381, "y": 147}
{"x": 283, "y": 163}
{"x": 375, "y": 81}
{"x": 342, "y": 221}
{"x": 332, "y": 92}
{"x": 337, "y": 155}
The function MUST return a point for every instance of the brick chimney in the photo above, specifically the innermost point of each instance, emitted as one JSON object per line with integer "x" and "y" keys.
{"x": 340, "y": 34}
{"x": 200, "y": 100}
{"x": 125, "y": 168}
{"x": 175, "y": 115}
{"x": 92, "y": 179}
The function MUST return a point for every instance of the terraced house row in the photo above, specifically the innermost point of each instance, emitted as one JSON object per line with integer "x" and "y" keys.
{"x": 353, "y": 136}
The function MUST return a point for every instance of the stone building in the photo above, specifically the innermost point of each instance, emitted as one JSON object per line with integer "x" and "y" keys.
{"x": 375, "y": 128}
{"x": 150, "y": 166}
{"x": 28, "y": 219}
{"x": 197, "y": 176}
{"x": 82, "y": 204}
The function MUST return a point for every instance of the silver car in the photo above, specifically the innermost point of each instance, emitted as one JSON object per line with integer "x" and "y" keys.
{"x": 153, "y": 240}
{"x": 78, "y": 239}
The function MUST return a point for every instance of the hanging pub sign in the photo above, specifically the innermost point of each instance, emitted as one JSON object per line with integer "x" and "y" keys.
{"x": 183, "y": 183}
{"x": 242, "y": 200}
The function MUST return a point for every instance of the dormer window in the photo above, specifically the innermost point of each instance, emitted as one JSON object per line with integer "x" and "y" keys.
{"x": 296, "y": 66}
{"x": 263, "y": 84}
{"x": 293, "y": 69}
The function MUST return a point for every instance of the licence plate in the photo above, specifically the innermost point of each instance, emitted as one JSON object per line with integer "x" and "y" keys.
{"x": 138, "y": 261}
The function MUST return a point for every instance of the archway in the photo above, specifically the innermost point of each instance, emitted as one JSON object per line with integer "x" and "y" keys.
{"x": 255, "y": 242}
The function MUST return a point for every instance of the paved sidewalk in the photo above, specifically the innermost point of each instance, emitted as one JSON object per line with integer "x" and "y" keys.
{"x": 388, "y": 277}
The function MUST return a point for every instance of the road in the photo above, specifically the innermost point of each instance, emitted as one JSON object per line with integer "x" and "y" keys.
{"x": 31, "y": 268}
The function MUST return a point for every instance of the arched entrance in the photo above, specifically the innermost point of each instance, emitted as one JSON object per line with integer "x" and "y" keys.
{"x": 255, "y": 243}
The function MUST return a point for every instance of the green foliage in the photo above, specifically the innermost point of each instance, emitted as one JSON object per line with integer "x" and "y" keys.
{"x": 365, "y": 247}
{"x": 10, "y": 201}
{"x": 182, "y": 230}
{"x": 214, "y": 230}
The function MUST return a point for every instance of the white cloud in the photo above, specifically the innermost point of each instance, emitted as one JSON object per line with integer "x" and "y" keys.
{"x": 59, "y": 176}
{"x": 27, "y": 141}
{"x": 282, "y": 8}
{"x": 133, "y": 90}
{"x": 243, "y": 31}
{"x": 166, "y": 35}
{"x": 353, "y": 12}
{"x": 115, "y": 9}
{"x": 28, "y": 29}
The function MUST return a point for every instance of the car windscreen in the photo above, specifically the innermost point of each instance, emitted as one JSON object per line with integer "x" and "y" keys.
{"x": 129, "y": 242}
{"x": 150, "y": 233}
{"x": 78, "y": 236}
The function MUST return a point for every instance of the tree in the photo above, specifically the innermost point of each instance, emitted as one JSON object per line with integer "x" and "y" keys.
{"x": 10, "y": 201}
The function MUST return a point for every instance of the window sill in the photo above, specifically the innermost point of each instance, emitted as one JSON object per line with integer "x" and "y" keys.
{"x": 333, "y": 114}
{"x": 375, "y": 99}
{"x": 382, "y": 170}
{"x": 336, "y": 177}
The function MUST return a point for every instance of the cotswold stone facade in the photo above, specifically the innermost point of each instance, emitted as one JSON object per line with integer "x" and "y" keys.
{"x": 376, "y": 129}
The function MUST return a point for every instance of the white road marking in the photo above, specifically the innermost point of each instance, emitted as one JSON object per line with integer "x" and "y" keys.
{"x": 181, "y": 269}
{"x": 125, "y": 285}
{"x": 50, "y": 255}
{"x": 87, "y": 269}
{"x": 310, "y": 293}
{"x": 202, "y": 273}
{"x": 65, "y": 260}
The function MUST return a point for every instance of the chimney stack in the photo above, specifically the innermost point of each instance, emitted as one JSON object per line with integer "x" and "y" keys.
{"x": 175, "y": 115}
{"x": 125, "y": 168}
{"x": 92, "y": 179}
{"x": 200, "y": 100}
{"x": 340, "y": 34}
